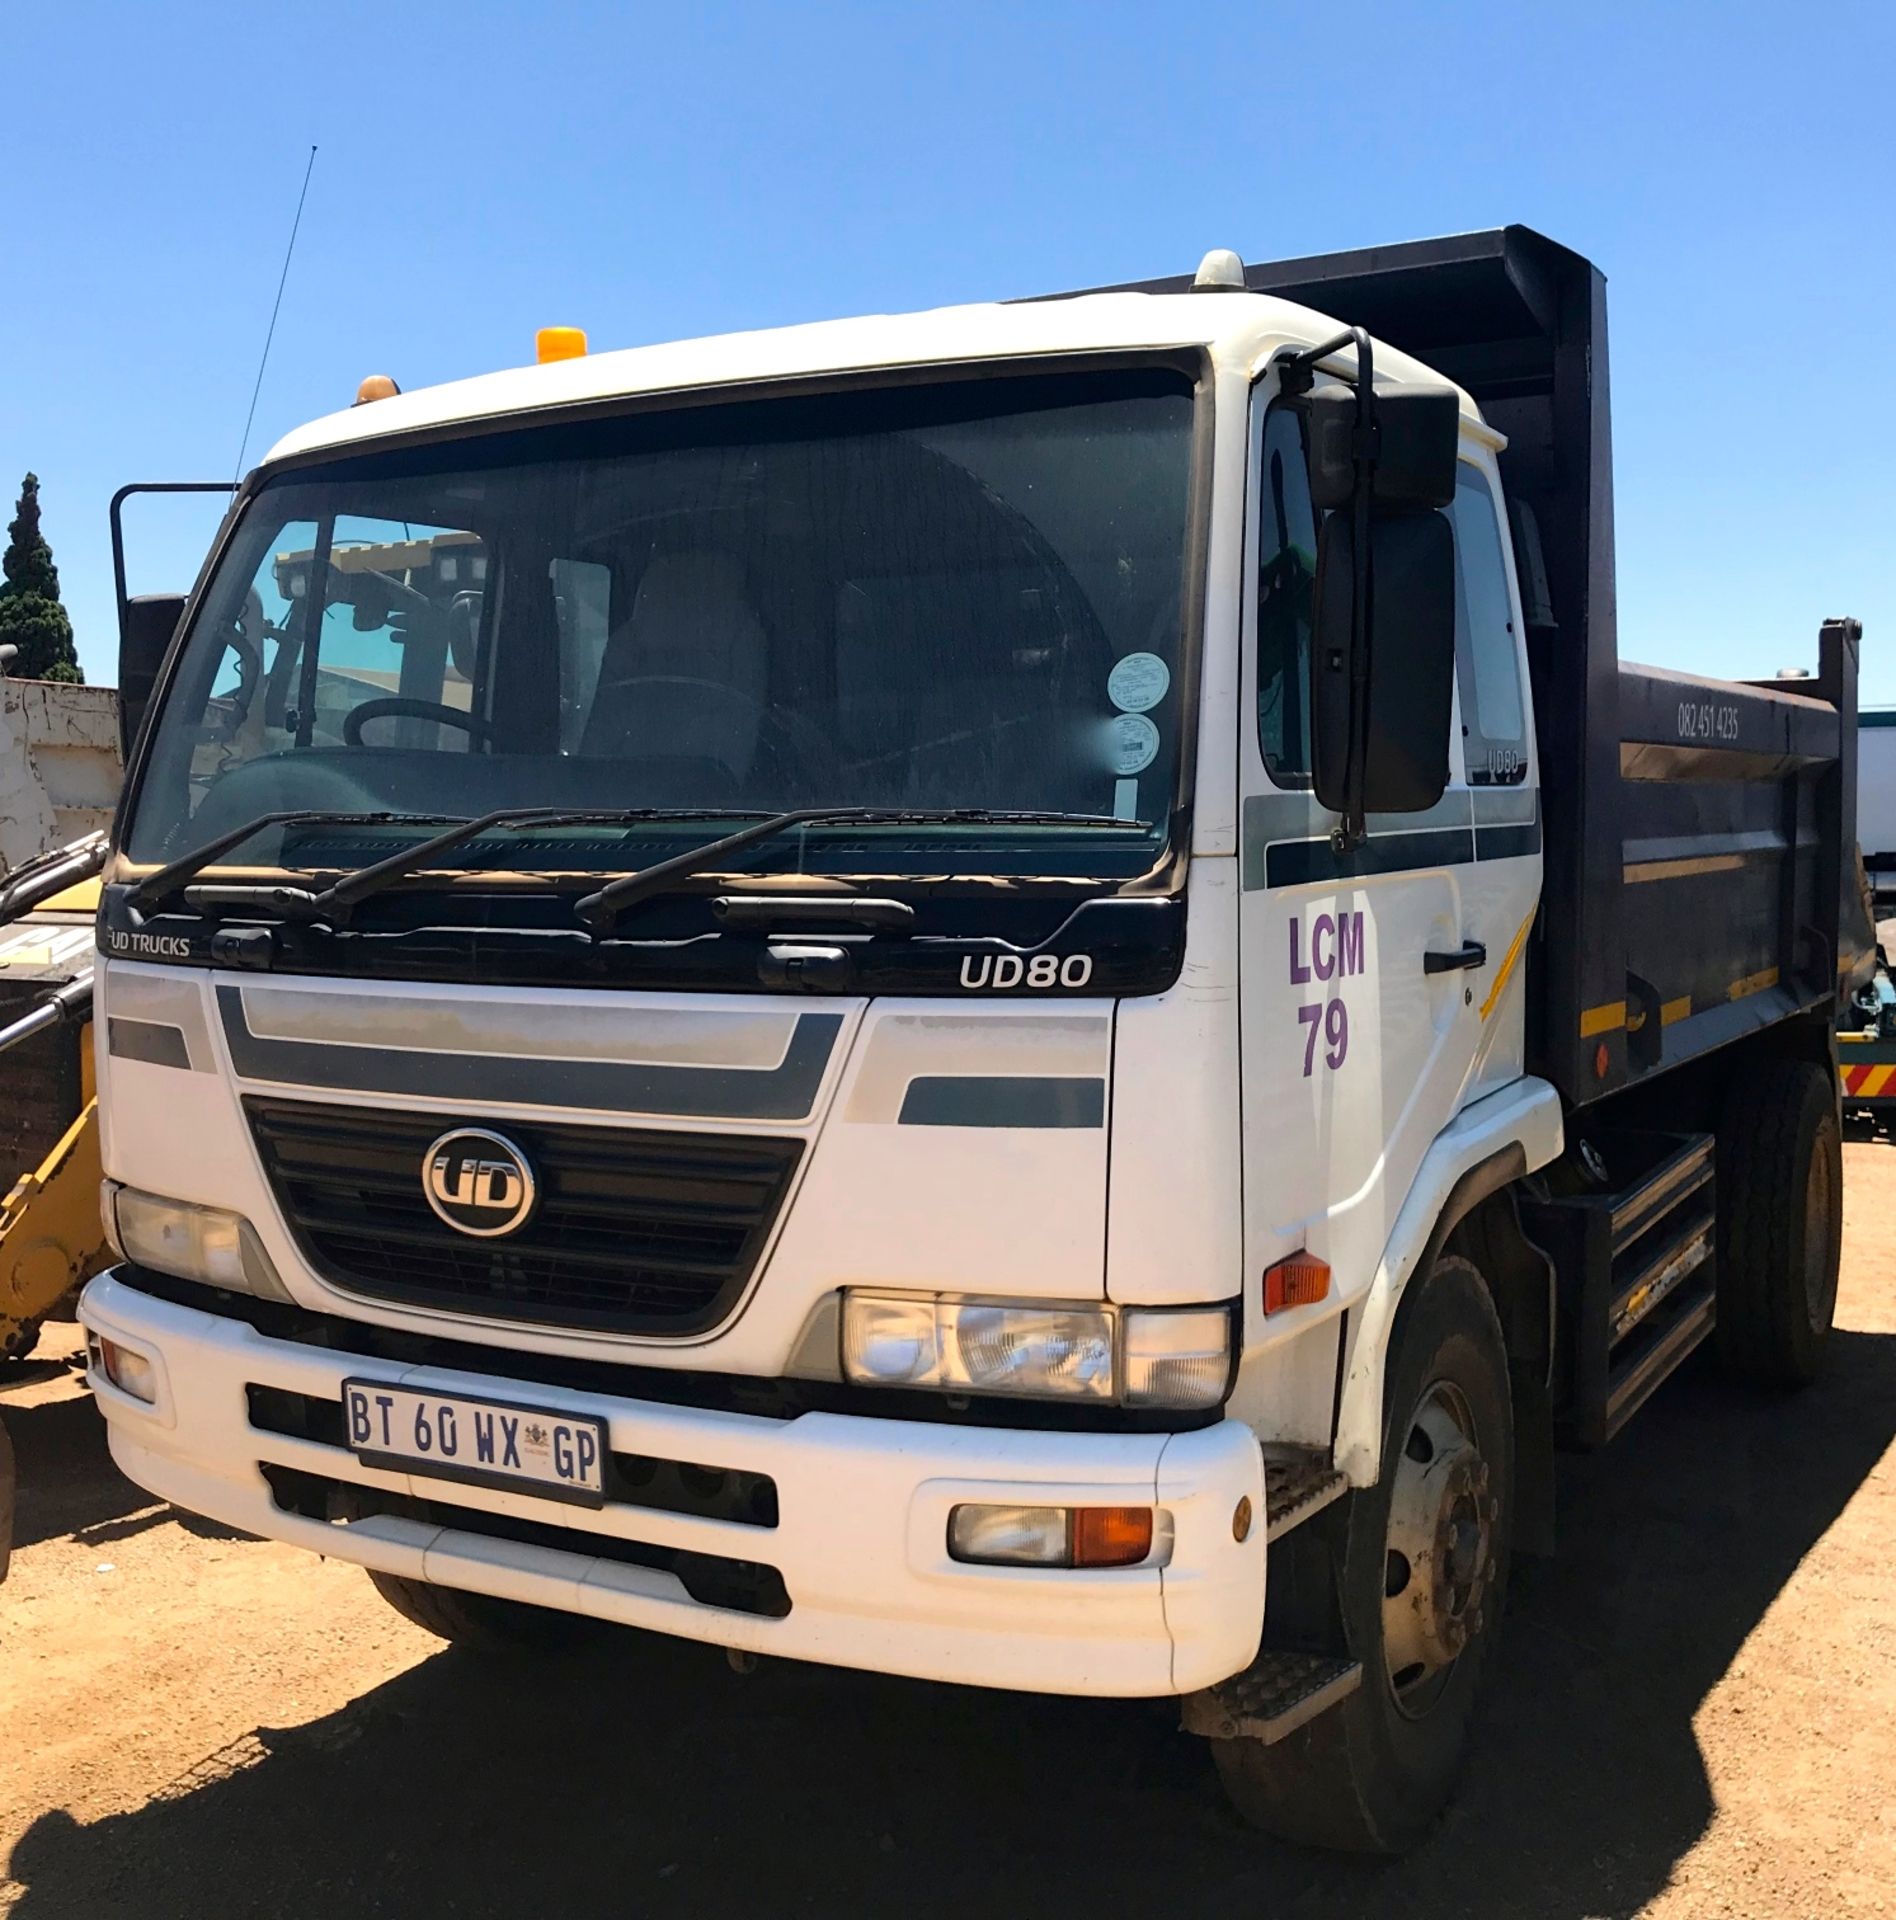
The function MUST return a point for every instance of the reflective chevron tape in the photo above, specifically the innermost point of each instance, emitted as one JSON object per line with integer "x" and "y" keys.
{"x": 1868, "y": 1083}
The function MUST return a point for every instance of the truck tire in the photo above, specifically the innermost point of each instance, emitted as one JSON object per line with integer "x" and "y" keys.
{"x": 1420, "y": 1577}
{"x": 1780, "y": 1223}
{"x": 483, "y": 1620}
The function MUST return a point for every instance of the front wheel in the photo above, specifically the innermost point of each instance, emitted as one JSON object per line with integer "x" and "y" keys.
{"x": 484, "y": 1621}
{"x": 1420, "y": 1573}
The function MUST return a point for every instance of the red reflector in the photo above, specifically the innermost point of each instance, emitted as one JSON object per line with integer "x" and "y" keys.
{"x": 1111, "y": 1536}
{"x": 1300, "y": 1281}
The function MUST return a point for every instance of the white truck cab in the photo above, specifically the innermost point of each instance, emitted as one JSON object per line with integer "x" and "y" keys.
{"x": 884, "y": 992}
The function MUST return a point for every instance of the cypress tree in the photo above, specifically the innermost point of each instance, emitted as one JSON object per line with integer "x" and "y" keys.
{"x": 32, "y": 617}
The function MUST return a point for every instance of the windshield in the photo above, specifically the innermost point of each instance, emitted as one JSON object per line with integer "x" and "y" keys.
{"x": 956, "y": 596}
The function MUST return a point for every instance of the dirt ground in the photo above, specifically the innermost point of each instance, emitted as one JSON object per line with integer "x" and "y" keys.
{"x": 1695, "y": 1714}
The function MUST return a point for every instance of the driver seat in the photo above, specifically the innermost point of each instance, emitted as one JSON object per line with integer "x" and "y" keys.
{"x": 687, "y": 675}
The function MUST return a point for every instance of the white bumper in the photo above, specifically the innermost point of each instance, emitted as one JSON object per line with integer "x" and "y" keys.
{"x": 861, "y": 1538}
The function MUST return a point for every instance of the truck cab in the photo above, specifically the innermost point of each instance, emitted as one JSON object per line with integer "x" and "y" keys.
{"x": 882, "y": 992}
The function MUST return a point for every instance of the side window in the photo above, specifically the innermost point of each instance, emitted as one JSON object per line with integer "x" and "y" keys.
{"x": 1286, "y": 581}
{"x": 1487, "y": 649}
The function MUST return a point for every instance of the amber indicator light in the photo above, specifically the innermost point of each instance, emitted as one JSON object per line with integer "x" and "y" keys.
{"x": 1111, "y": 1536}
{"x": 1300, "y": 1281}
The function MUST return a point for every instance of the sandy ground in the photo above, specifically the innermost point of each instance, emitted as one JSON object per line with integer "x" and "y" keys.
{"x": 1695, "y": 1714}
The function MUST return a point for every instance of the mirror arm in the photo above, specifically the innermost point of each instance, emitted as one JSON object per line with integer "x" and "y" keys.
{"x": 1352, "y": 830}
{"x": 118, "y": 530}
{"x": 1298, "y": 374}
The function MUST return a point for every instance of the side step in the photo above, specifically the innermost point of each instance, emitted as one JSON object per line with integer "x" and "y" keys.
{"x": 1297, "y": 1483}
{"x": 1636, "y": 1264}
{"x": 1274, "y": 1696}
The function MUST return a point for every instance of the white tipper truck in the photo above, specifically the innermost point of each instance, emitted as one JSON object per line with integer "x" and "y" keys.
{"x": 1014, "y": 995}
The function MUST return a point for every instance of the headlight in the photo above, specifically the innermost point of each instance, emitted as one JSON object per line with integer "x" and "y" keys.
{"x": 977, "y": 1346}
{"x": 1138, "y": 1356}
{"x": 1176, "y": 1359}
{"x": 195, "y": 1243}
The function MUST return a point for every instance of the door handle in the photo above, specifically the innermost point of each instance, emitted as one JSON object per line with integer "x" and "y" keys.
{"x": 1472, "y": 954}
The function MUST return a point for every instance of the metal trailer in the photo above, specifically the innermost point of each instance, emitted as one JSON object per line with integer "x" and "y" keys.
{"x": 59, "y": 766}
{"x": 1876, "y": 801}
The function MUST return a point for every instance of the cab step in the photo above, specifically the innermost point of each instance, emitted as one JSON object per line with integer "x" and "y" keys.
{"x": 1274, "y": 1696}
{"x": 1296, "y": 1485}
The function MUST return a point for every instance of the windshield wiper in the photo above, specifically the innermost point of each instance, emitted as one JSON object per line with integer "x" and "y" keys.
{"x": 334, "y": 904}
{"x": 600, "y": 910}
{"x": 158, "y": 886}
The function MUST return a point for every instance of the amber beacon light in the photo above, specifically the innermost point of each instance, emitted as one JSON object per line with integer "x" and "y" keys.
{"x": 559, "y": 343}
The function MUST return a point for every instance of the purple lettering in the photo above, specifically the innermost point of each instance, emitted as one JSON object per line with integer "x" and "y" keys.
{"x": 1311, "y": 1017}
{"x": 1299, "y": 973}
{"x": 1323, "y": 964}
{"x": 1336, "y": 1031}
{"x": 1349, "y": 957}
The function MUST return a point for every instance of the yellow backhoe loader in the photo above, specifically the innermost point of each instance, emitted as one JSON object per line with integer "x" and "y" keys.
{"x": 51, "y": 1239}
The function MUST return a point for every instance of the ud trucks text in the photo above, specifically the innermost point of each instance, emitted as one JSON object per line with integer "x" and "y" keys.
{"x": 1014, "y": 995}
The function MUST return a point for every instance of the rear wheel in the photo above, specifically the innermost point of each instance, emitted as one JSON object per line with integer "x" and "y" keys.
{"x": 1420, "y": 1579}
{"x": 1780, "y": 1212}
{"x": 484, "y": 1621}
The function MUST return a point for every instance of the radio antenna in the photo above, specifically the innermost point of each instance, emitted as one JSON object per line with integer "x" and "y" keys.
{"x": 282, "y": 281}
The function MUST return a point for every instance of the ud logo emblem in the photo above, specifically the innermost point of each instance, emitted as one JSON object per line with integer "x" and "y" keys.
{"x": 478, "y": 1182}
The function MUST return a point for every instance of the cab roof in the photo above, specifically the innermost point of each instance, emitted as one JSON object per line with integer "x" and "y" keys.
{"x": 1240, "y": 330}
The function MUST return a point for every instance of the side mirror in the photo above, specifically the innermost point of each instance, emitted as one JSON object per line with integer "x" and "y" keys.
{"x": 1417, "y": 437}
{"x": 146, "y": 624}
{"x": 1411, "y": 668}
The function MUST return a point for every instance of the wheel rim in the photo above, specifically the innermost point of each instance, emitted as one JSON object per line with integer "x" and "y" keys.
{"x": 1820, "y": 1263}
{"x": 1439, "y": 1562}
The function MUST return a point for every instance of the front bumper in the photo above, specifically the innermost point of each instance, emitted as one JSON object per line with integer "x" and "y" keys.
{"x": 860, "y": 1543}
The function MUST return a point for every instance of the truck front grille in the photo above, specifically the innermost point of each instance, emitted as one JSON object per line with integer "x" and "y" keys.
{"x": 635, "y": 1231}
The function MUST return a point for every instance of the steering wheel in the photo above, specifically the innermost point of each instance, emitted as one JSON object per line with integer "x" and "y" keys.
{"x": 806, "y": 744}
{"x": 400, "y": 704}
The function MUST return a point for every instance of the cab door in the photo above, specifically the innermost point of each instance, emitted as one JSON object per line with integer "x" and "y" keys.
{"x": 1355, "y": 1049}
{"x": 1494, "y": 725}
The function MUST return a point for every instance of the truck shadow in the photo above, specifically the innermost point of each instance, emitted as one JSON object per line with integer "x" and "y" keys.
{"x": 652, "y": 1779}
{"x": 68, "y": 1484}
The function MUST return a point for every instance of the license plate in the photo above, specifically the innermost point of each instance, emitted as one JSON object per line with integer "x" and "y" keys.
{"x": 487, "y": 1442}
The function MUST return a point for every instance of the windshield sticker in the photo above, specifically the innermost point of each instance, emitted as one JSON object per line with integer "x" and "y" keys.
{"x": 1133, "y": 742}
{"x": 1138, "y": 683}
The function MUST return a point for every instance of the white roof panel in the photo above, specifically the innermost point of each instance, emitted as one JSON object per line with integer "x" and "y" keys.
{"x": 1240, "y": 329}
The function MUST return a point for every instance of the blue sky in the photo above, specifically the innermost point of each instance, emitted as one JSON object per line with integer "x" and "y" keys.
{"x": 652, "y": 172}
